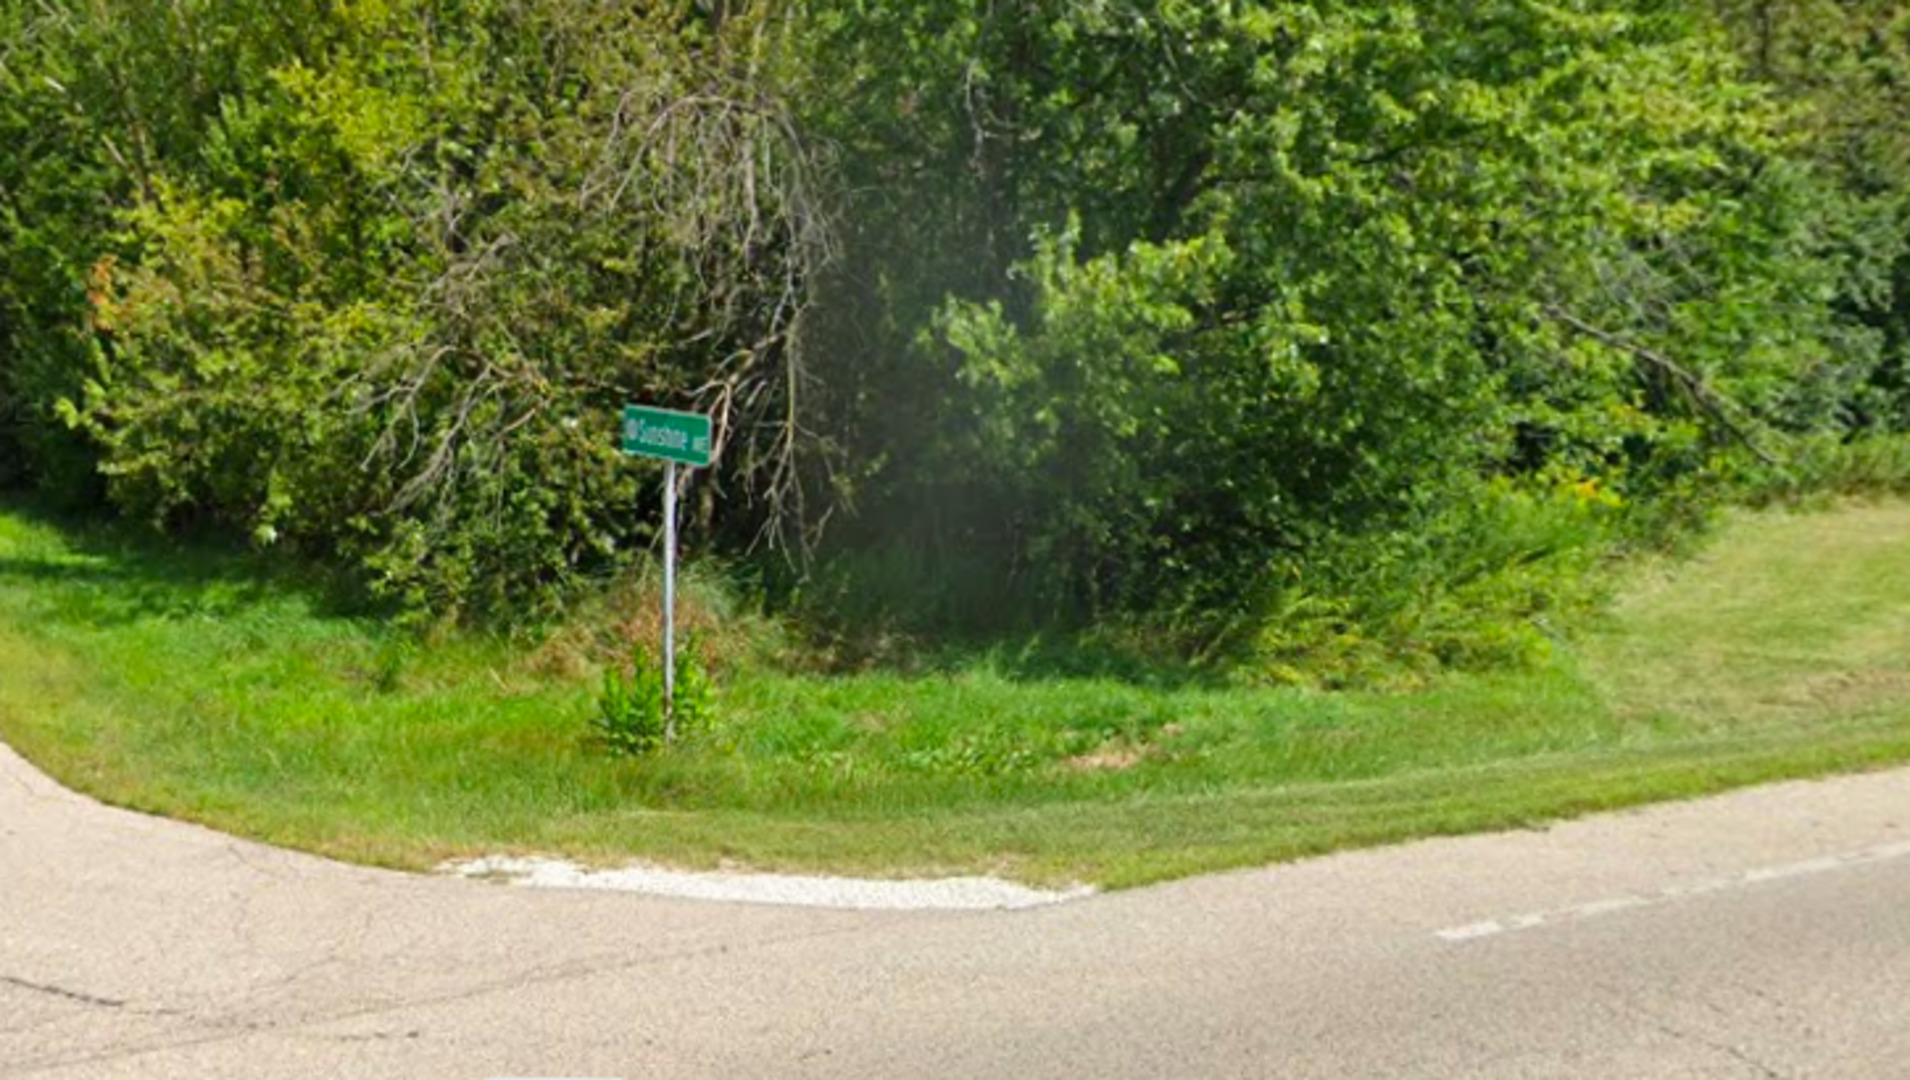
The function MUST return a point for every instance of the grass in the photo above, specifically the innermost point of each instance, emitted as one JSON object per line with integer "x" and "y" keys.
{"x": 192, "y": 684}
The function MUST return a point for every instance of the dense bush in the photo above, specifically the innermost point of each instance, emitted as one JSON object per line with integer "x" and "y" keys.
{"x": 1844, "y": 68}
{"x": 1160, "y": 307}
{"x": 374, "y": 279}
{"x": 1294, "y": 330}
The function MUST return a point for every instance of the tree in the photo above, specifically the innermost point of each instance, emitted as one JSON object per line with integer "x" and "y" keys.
{"x": 1845, "y": 70}
{"x": 1226, "y": 287}
{"x": 376, "y": 284}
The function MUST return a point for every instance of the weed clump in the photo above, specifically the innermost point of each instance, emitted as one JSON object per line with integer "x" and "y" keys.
{"x": 635, "y": 716}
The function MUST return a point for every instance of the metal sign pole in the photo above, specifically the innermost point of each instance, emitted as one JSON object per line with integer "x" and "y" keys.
{"x": 675, "y": 438}
{"x": 669, "y": 602}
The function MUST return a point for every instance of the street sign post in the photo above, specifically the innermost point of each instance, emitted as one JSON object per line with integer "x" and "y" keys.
{"x": 679, "y": 437}
{"x": 676, "y": 438}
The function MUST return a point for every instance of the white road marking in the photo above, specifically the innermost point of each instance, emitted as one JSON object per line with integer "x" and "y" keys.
{"x": 946, "y": 894}
{"x": 1475, "y": 930}
{"x": 1671, "y": 893}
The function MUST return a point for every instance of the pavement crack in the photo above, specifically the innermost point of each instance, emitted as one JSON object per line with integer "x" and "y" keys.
{"x": 1727, "y": 1049}
{"x": 213, "y": 1030}
{"x": 63, "y": 993}
{"x": 361, "y": 1037}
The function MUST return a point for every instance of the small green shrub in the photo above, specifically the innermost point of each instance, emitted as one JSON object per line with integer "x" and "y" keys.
{"x": 631, "y": 714}
{"x": 1486, "y": 582}
{"x": 1868, "y": 466}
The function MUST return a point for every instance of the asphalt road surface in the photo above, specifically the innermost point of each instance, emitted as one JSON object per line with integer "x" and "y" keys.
{"x": 1763, "y": 934}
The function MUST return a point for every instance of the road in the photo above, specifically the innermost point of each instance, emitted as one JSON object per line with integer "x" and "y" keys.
{"x": 1762, "y": 934}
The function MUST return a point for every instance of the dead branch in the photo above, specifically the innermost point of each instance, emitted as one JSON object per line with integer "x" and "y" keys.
{"x": 1713, "y": 404}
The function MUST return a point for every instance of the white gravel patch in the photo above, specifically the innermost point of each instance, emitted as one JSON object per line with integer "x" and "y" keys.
{"x": 944, "y": 894}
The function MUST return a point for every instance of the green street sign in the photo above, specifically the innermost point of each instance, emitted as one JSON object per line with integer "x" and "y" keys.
{"x": 665, "y": 433}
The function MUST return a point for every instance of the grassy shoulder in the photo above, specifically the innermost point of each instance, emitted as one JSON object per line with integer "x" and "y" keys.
{"x": 178, "y": 682}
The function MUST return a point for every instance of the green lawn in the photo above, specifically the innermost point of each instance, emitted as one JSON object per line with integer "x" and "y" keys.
{"x": 189, "y": 684}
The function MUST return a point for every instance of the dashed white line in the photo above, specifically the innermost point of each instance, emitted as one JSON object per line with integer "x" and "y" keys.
{"x": 1671, "y": 893}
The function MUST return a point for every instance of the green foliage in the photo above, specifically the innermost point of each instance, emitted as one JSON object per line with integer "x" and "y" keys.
{"x": 374, "y": 285}
{"x": 1828, "y": 468}
{"x": 630, "y": 715}
{"x": 1844, "y": 70}
{"x": 1494, "y": 580}
{"x": 1221, "y": 321}
{"x": 633, "y": 716}
{"x": 1222, "y": 298}
{"x": 56, "y": 186}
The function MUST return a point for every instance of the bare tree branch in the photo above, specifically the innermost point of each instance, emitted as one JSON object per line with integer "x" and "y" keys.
{"x": 1712, "y": 403}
